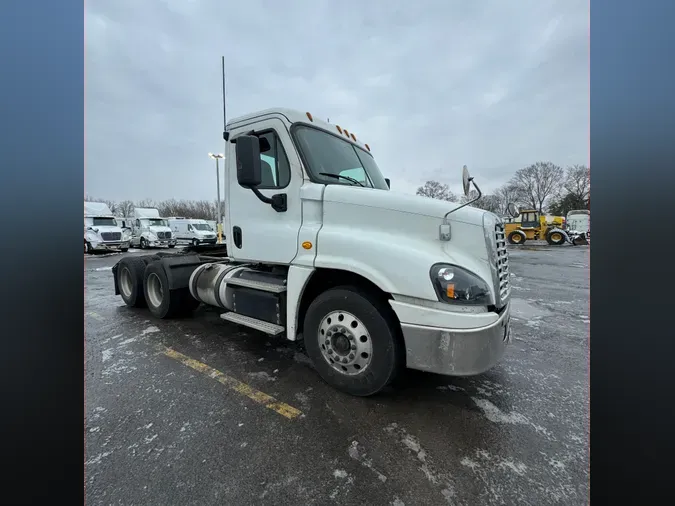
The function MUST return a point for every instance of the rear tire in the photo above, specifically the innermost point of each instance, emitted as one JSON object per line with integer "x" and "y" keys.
{"x": 130, "y": 281}
{"x": 364, "y": 333}
{"x": 162, "y": 302}
{"x": 517, "y": 237}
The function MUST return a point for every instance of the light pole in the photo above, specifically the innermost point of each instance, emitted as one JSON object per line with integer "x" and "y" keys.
{"x": 219, "y": 225}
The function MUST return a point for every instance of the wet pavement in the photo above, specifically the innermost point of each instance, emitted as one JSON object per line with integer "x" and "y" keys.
{"x": 177, "y": 413}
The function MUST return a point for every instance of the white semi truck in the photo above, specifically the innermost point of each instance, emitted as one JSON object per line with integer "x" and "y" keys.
{"x": 148, "y": 229}
{"x": 101, "y": 231}
{"x": 319, "y": 249}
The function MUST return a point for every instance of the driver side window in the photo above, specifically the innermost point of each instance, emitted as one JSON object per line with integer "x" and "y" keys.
{"x": 274, "y": 167}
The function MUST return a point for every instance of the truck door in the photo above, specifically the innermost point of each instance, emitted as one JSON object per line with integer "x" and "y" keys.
{"x": 255, "y": 230}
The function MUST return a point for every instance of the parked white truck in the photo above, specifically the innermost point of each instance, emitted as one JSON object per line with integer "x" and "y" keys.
{"x": 192, "y": 231}
{"x": 319, "y": 249}
{"x": 101, "y": 231}
{"x": 150, "y": 230}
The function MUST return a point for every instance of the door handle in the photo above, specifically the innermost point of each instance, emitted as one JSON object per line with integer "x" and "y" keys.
{"x": 236, "y": 236}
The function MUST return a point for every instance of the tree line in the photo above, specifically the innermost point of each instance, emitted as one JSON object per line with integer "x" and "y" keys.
{"x": 542, "y": 186}
{"x": 197, "y": 209}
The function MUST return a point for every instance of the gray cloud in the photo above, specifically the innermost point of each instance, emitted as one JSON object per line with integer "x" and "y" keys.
{"x": 430, "y": 86}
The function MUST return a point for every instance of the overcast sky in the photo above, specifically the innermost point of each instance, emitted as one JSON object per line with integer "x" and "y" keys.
{"x": 430, "y": 85}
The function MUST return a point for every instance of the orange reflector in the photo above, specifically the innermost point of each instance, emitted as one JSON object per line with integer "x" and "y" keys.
{"x": 338, "y": 128}
{"x": 309, "y": 116}
{"x": 346, "y": 133}
{"x": 353, "y": 137}
{"x": 450, "y": 291}
{"x": 307, "y": 245}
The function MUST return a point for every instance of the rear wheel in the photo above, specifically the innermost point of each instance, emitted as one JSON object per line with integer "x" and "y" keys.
{"x": 130, "y": 281}
{"x": 353, "y": 339}
{"x": 163, "y": 302}
{"x": 516, "y": 237}
{"x": 555, "y": 238}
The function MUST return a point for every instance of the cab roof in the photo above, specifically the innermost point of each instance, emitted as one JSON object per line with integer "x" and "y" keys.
{"x": 293, "y": 116}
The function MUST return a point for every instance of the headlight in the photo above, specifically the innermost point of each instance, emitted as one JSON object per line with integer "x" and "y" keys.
{"x": 456, "y": 285}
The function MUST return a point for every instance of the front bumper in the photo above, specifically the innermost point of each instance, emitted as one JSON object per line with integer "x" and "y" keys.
{"x": 109, "y": 246}
{"x": 162, "y": 242}
{"x": 457, "y": 351}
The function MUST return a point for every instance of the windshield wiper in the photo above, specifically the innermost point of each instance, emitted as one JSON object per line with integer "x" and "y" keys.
{"x": 340, "y": 176}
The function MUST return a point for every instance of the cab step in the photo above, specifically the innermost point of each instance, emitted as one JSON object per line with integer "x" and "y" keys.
{"x": 254, "y": 323}
{"x": 263, "y": 286}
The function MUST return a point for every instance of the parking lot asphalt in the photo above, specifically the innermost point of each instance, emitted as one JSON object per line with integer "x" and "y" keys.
{"x": 201, "y": 411}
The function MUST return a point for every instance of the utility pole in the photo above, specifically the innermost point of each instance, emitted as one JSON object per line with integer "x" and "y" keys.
{"x": 219, "y": 225}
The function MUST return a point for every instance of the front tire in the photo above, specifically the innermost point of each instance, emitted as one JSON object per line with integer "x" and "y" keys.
{"x": 555, "y": 238}
{"x": 195, "y": 242}
{"x": 144, "y": 243}
{"x": 354, "y": 340}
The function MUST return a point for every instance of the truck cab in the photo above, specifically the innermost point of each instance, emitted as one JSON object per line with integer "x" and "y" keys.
{"x": 149, "y": 230}
{"x": 101, "y": 230}
{"x": 320, "y": 249}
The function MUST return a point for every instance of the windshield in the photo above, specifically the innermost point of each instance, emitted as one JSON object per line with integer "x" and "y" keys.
{"x": 105, "y": 222}
{"x": 329, "y": 154}
{"x": 157, "y": 222}
{"x": 201, "y": 226}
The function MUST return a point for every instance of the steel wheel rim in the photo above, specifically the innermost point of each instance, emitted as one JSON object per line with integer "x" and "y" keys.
{"x": 125, "y": 282}
{"x": 556, "y": 236}
{"x": 155, "y": 291}
{"x": 517, "y": 238}
{"x": 345, "y": 343}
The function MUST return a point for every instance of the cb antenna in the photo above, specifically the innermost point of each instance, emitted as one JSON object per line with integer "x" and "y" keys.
{"x": 226, "y": 135}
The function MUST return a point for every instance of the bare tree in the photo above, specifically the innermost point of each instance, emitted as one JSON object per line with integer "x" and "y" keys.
{"x": 125, "y": 209}
{"x": 578, "y": 182}
{"x": 149, "y": 203}
{"x": 538, "y": 183}
{"x": 506, "y": 195}
{"x": 486, "y": 202}
{"x": 436, "y": 190}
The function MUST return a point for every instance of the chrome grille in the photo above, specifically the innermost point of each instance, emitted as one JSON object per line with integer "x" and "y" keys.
{"x": 111, "y": 236}
{"x": 164, "y": 235}
{"x": 502, "y": 263}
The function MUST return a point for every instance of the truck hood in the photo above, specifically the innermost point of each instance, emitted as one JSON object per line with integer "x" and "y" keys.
{"x": 403, "y": 202}
{"x": 106, "y": 228}
{"x": 155, "y": 229}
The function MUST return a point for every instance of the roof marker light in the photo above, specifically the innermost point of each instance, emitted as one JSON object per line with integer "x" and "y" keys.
{"x": 309, "y": 117}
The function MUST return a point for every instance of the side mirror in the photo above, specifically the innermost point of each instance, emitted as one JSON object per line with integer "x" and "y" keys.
{"x": 388, "y": 181}
{"x": 466, "y": 181}
{"x": 513, "y": 210}
{"x": 248, "y": 161}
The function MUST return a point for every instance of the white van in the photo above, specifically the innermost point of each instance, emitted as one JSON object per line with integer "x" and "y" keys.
{"x": 192, "y": 231}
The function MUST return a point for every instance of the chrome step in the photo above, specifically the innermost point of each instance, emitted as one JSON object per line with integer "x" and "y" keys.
{"x": 254, "y": 323}
{"x": 257, "y": 285}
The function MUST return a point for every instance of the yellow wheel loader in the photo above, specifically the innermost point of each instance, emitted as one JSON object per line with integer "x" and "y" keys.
{"x": 534, "y": 226}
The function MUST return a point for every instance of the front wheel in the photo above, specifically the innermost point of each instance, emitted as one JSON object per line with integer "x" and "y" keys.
{"x": 172, "y": 245}
{"x": 354, "y": 340}
{"x": 555, "y": 238}
{"x": 144, "y": 243}
{"x": 195, "y": 242}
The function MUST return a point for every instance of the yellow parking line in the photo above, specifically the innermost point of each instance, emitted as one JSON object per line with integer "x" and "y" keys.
{"x": 233, "y": 384}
